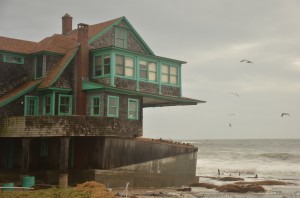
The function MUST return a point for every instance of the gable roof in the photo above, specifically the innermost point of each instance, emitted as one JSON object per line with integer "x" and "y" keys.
{"x": 65, "y": 45}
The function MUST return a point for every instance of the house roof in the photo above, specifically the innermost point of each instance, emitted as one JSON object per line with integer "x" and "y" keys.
{"x": 11, "y": 96}
{"x": 16, "y": 45}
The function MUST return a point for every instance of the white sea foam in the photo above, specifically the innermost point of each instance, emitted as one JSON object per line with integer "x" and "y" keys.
{"x": 278, "y": 159}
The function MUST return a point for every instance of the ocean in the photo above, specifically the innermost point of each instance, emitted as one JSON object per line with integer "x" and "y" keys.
{"x": 264, "y": 158}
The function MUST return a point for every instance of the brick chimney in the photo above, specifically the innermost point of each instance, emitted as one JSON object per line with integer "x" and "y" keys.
{"x": 66, "y": 24}
{"x": 82, "y": 69}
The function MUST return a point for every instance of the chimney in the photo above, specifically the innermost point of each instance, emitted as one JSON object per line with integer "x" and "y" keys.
{"x": 82, "y": 69}
{"x": 66, "y": 24}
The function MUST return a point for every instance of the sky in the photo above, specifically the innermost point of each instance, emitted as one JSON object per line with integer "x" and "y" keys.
{"x": 212, "y": 36}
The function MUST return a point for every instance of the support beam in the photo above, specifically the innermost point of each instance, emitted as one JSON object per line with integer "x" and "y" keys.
{"x": 64, "y": 154}
{"x": 25, "y": 155}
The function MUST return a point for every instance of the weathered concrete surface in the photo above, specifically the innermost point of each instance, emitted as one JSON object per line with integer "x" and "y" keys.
{"x": 172, "y": 171}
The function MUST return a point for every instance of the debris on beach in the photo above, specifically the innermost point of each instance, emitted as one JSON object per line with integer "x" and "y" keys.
{"x": 95, "y": 189}
{"x": 204, "y": 185}
{"x": 188, "y": 189}
{"x": 240, "y": 188}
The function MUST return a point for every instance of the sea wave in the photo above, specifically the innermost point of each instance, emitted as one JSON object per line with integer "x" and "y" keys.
{"x": 281, "y": 156}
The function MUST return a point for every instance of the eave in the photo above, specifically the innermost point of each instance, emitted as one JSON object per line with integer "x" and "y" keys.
{"x": 149, "y": 100}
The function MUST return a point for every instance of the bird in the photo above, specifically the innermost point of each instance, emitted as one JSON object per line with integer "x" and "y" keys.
{"x": 285, "y": 114}
{"x": 236, "y": 94}
{"x": 246, "y": 61}
{"x": 231, "y": 114}
{"x": 229, "y": 124}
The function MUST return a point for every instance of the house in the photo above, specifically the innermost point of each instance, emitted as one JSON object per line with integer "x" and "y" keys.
{"x": 71, "y": 107}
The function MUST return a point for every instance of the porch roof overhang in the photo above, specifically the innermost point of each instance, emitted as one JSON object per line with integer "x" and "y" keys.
{"x": 149, "y": 100}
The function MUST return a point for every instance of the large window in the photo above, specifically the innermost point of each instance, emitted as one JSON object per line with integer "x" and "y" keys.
{"x": 148, "y": 70}
{"x": 113, "y": 106}
{"x": 169, "y": 74}
{"x": 133, "y": 107}
{"x": 47, "y": 105}
{"x": 120, "y": 37}
{"x": 65, "y": 104}
{"x": 124, "y": 66}
{"x": 31, "y": 106}
{"x": 95, "y": 106}
{"x": 102, "y": 65}
{"x": 10, "y": 58}
{"x": 39, "y": 67}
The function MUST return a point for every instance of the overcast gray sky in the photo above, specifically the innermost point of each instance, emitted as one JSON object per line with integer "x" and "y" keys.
{"x": 213, "y": 36}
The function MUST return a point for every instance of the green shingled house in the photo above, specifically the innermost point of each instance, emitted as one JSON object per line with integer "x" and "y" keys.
{"x": 72, "y": 104}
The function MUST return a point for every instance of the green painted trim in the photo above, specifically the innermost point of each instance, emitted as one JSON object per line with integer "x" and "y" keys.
{"x": 112, "y": 68}
{"x": 92, "y": 105}
{"x": 64, "y": 67}
{"x": 108, "y": 106}
{"x": 137, "y": 74}
{"x": 36, "y": 105}
{"x": 25, "y": 91}
{"x": 155, "y": 96}
{"x": 91, "y": 40}
{"x": 118, "y": 50}
{"x": 56, "y": 89}
{"x": 5, "y": 55}
{"x": 69, "y": 105}
{"x": 86, "y": 85}
{"x": 137, "y": 109}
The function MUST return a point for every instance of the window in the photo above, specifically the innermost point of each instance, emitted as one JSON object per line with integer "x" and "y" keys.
{"x": 169, "y": 74}
{"x": 148, "y": 70}
{"x": 95, "y": 106}
{"x": 102, "y": 65}
{"x": 47, "y": 105}
{"x": 133, "y": 107}
{"x": 39, "y": 66}
{"x": 113, "y": 106}
{"x": 120, "y": 37}
{"x": 124, "y": 66}
{"x": 65, "y": 105}
{"x": 10, "y": 58}
{"x": 31, "y": 106}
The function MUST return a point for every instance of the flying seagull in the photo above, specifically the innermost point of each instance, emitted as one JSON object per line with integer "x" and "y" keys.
{"x": 285, "y": 114}
{"x": 246, "y": 61}
{"x": 229, "y": 124}
{"x": 236, "y": 94}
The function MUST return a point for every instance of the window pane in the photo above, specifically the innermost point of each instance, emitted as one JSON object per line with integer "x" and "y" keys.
{"x": 144, "y": 63}
{"x": 152, "y": 66}
{"x": 98, "y": 60}
{"x": 173, "y": 79}
{"x": 112, "y": 101}
{"x": 120, "y": 70}
{"x": 152, "y": 76}
{"x": 106, "y": 64}
{"x": 112, "y": 111}
{"x": 129, "y": 72}
{"x": 119, "y": 43}
{"x": 119, "y": 60}
{"x": 129, "y": 62}
{"x": 165, "y": 69}
{"x": 173, "y": 70}
{"x": 143, "y": 74}
{"x": 164, "y": 78}
{"x": 39, "y": 67}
